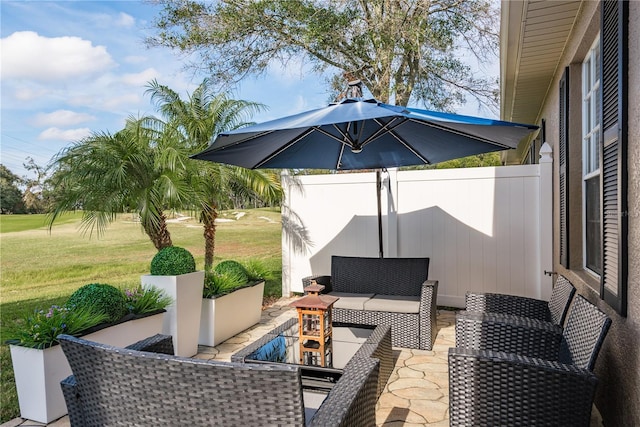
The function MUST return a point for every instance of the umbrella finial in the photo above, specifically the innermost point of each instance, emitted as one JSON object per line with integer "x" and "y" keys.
{"x": 355, "y": 89}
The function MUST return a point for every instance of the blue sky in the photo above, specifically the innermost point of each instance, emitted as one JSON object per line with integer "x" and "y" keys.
{"x": 72, "y": 67}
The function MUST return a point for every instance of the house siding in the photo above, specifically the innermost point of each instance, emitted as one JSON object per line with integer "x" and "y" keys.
{"x": 618, "y": 366}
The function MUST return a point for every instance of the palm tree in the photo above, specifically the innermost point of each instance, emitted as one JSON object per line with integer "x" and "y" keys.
{"x": 200, "y": 117}
{"x": 138, "y": 169}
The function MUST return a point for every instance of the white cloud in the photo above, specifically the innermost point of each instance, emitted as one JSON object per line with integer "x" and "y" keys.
{"x": 58, "y": 134}
{"x": 140, "y": 79}
{"x": 29, "y": 94}
{"x": 125, "y": 20}
{"x": 62, "y": 118}
{"x": 27, "y": 55}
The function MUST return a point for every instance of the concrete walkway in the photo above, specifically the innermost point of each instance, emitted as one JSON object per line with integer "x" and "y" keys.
{"x": 417, "y": 393}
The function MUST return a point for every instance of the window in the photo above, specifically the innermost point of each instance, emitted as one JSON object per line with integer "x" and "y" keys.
{"x": 591, "y": 124}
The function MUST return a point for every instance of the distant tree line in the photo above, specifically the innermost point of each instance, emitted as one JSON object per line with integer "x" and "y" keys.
{"x": 24, "y": 195}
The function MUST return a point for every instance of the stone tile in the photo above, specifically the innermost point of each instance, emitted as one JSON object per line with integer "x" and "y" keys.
{"x": 391, "y": 400}
{"x": 404, "y": 383}
{"x": 410, "y": 372}
{"x": 419, "y": 393}
{"x": 432, "y": 411}
{"x": 398, "y": 417}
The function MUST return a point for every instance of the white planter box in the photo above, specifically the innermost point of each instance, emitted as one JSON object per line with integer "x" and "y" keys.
{"x": 38, "y": 372}
{"x": 182, "y": 320}
{"x": 227, "y": 315}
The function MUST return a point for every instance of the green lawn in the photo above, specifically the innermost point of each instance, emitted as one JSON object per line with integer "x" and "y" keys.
{"x": 40, "y": 268}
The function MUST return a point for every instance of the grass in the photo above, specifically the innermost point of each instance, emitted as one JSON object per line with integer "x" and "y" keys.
{"x": 40, "y": 268}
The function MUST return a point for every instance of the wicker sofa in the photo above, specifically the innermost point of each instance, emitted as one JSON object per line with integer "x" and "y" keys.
{"x": 131, "y": 386}
{"x": 384, "y": 291}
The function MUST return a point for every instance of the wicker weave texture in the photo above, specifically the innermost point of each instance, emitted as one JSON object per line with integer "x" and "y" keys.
{"x": 511, "y": 334}
{"x": 352, "y": 401}
{"x": 378, "y": 346}
{"x": 555, "y": 310}
{"x": 499, "y": 389}
{"x": 156, "y": 344}
{"x": 126, "y": 387}
{"x": 489, "y": 387}
{"x": 583, "y": 334}
{"x": 116, "y": 386}
{"x": 386, "y": 276}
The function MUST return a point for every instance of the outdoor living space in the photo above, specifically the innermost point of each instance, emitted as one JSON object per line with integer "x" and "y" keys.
{"x": 415, "y": 395}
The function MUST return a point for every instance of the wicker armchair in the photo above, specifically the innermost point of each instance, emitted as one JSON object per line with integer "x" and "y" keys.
{"x": 490, "y": 387}
{"x": 118, "y": 386}
{"x": 555, "y": 310}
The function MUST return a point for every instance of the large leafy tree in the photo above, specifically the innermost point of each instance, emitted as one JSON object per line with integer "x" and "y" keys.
{"x": 403, "y": 51}
{"x": 138, "y": 169}
{"x": 200, "y": 117}
{"x": 10, "y": 194}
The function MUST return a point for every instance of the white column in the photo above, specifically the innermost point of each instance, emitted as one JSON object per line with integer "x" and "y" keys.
{"x": 286, "y": 245}
{"x": 390, "y": 214}
{"x": 546, "y": 220}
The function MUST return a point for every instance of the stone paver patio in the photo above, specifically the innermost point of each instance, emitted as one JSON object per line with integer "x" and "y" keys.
{"x": 417, "y": 393}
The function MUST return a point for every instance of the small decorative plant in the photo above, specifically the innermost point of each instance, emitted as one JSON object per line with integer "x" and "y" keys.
{"x": 43, "y": 326}
{"x": 101, "y": 298}
{"x": 229, "y": 275}
{"x": 146, "y": 300}
{"x": 172, "y": 261}
{"x": 89, "y": 306}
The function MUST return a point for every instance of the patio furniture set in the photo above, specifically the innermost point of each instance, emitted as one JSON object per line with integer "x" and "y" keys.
{"x": 517, "y": 361}
{"x": 520, "y": 361}
{"x": 146, "y": 384}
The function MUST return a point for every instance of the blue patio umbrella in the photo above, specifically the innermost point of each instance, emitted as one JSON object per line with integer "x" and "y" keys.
{"x": 362, "y": 134}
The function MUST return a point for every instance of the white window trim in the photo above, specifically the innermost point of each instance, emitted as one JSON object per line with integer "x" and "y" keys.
{"x": 588, "y": 132}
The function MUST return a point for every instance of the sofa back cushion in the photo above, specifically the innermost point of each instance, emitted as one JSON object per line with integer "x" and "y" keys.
{"x": 389, "y": 276}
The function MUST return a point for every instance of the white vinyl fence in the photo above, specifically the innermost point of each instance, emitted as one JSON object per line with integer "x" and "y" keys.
{"x": 484, "y": 229}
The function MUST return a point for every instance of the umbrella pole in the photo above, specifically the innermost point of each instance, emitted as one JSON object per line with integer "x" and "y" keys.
{"x": 379, "y": 195}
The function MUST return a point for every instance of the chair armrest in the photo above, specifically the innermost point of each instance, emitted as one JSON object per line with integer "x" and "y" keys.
{"x": 352, "y": 400}
{"x": 320, "y": 280}
{"x": 508, "y": 304}
{"x": 158, "y": 343}
{"x": 428, "y": 295}
{"x": 492, "y": 388}
{"x": 510, "y": 334}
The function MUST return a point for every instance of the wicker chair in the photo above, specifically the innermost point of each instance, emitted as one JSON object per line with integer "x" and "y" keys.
{"x": 490, "y": 387}
{"x": 390, "y": 279}
{"x": 117, "y": 386}
{"x": 555, "y": 310}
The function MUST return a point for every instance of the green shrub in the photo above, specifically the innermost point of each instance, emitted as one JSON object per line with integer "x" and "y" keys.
{"x": 225, "y": 277}
{"x": 100, "y": 298}
{"x": 256, "y": 270}
{"x": 234, "y": 268}
{"x": 172, "y": 261}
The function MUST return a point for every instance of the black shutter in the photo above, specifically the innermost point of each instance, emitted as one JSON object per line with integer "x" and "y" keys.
{"x": 564, "y": 168}
{"x": 613, "y": 152}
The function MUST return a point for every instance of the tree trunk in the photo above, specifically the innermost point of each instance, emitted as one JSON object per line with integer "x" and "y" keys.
{"x": 209, "y": 215}
{"x": 160, "y": 236}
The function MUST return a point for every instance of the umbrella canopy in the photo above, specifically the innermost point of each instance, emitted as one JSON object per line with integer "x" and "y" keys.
{"x": 362, "y": 134}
